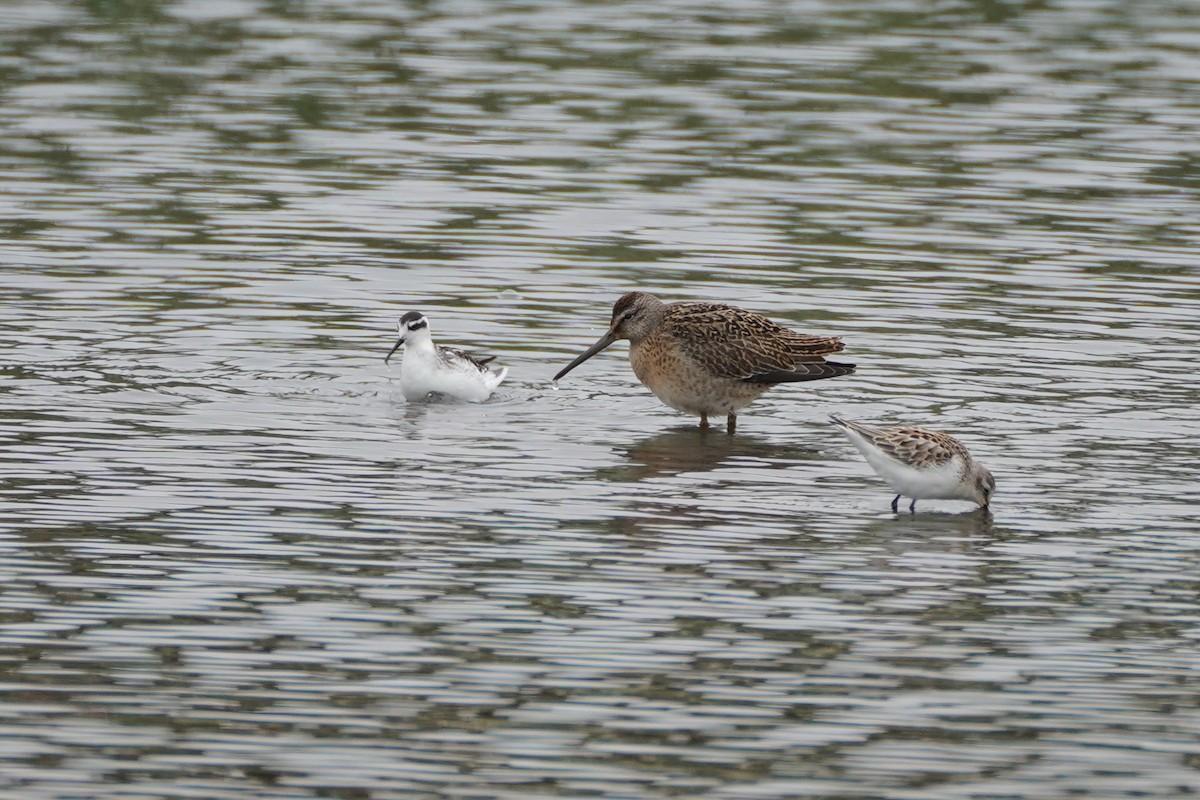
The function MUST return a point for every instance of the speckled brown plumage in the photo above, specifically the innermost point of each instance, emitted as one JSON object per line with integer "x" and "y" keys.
{"x": 915, "y": 447}
{"x": 734, "y": 343}
{"x": 708, "y": 358}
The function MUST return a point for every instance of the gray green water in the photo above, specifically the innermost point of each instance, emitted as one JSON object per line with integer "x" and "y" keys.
{"x": 234, "y": 562}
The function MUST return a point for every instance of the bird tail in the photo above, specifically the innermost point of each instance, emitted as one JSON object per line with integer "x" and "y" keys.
{"x": 804, "y": 371}
{"x": 868, "y": 431}
{"x": 840, "y": 368}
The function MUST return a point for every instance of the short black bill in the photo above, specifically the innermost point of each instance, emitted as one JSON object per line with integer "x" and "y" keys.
{"x": 388, "y": 357}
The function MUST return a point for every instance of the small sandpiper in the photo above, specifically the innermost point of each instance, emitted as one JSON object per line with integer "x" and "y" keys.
{"x": 430, "y": 370}
{"x": 921, "y": 464}
{"x": 708, "y": 358}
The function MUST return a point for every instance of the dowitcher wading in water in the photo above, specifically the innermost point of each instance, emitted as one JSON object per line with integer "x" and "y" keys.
{"x": 921, "y": 464}
{"x": 708, "y": 358}
{"x": 430, "y": 370}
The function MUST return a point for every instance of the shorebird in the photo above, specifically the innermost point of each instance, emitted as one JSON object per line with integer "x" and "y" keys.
{"x": 430, "y": 369}
{"x": 921, "y": 464}
{"x": 708, "y": 358}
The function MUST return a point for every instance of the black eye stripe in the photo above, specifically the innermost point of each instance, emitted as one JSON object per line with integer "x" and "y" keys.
{"x": 416, "y": 326}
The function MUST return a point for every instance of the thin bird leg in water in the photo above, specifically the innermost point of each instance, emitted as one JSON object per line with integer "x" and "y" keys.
{"x": 912, "y": 507}
{"x": 703, "y": 421}
{"x": 731, "y": 423}
{"x": 895, "y": 500}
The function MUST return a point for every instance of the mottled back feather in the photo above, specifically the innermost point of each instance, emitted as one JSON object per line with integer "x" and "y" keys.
{"x": 915, "y": 446}
{"x": 734, "y": 343}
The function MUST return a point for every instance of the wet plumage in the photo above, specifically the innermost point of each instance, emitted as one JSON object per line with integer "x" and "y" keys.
{"x": 709, "y": 358}
{"x": 430, "y": 370}
{"x": 920, "y": 464}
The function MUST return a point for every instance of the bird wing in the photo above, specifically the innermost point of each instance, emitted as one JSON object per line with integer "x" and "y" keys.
{"x": 734, "y": 343}
{"x": 452, "y": 354}
{"x": 917, "y": 447}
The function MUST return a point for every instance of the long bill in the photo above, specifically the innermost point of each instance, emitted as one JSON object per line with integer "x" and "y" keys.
{"x": 393, "y": 350}
{"x": 604, "y": 342}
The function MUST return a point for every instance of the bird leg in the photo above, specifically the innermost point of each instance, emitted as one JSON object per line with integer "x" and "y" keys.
{"x": 895, "y": 500}
{"x": 912, "y": 507}
{"x": 703, "y": 421}
{"x": 731, "y": 423}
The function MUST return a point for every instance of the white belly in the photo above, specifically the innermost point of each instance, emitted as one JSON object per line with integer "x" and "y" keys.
{"x": 419, "y": 379}
{"x": 943, "y": 482}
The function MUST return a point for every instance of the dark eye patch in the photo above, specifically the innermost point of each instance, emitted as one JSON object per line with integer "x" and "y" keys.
{"x": 416, "y": 326}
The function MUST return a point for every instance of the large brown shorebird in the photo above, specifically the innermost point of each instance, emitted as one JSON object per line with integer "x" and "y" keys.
{"x": 708, "y": 358}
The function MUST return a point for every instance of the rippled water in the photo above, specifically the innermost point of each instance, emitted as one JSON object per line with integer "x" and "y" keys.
{"x": 234, "y": 561}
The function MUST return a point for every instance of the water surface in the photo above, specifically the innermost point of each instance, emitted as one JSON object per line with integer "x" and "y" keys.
{"x": 236, "y": 562}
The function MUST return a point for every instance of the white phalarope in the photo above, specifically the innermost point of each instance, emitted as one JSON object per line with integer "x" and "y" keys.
{"x": 429, "y": 370}
{"x": 921, "y": 464}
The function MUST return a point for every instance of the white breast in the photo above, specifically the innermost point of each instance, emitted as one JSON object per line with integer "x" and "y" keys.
{"x": 425, "y": 372}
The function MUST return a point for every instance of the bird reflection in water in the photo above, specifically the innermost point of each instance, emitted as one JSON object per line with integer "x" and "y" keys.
{"x": 682, "y": 450}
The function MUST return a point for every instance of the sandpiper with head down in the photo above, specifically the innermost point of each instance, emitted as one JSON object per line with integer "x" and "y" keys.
{"x": 432, "y": 370}
{"x": 921, "y": 464}
{"x": 708, "y": 358}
